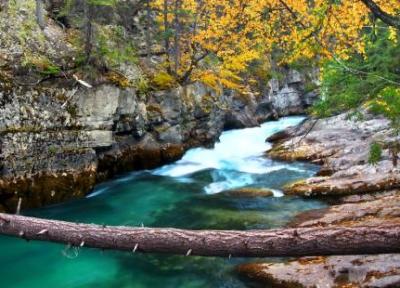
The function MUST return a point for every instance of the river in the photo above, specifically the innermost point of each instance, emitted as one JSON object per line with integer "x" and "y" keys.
{"x": 185, "y": 194}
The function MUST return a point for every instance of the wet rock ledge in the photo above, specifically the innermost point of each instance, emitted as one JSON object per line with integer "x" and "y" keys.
{"x": 342, "y": 146}
{"x": 337, "y": 271}
{"x": 364, "y": 195}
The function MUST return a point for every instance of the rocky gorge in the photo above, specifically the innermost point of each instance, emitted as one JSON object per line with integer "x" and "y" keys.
{"x": 140, "y": 114}
{"x": 55, "y": 141}
{"x": 60, "y": 135}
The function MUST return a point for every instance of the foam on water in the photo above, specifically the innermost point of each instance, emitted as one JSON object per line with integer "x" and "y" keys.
{"x": 237, "y": 151}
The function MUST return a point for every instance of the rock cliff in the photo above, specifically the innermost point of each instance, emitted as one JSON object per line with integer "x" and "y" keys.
{"x": 57, "y": 143}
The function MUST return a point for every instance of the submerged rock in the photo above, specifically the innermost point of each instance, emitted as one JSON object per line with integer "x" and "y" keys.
{"x": 249, "y": 192}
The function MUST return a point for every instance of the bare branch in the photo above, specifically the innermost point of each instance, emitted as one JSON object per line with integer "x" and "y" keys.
{"x": 379, "y": 13}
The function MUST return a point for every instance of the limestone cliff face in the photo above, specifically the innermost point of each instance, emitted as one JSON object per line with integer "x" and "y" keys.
{"x": 293, "y": 91}
{"x": 57, "y": 143}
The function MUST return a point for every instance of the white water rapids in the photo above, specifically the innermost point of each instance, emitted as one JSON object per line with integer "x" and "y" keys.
{"x": 236, "y": 159}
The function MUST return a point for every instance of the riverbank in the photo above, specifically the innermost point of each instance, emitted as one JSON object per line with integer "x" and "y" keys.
{"x": 364, "y": 195}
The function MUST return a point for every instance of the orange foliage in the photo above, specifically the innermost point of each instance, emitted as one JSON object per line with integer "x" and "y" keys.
{"x": 218, "y": 40}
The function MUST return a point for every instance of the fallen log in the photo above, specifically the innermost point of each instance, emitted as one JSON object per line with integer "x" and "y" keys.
{"x": 225, "y": 243}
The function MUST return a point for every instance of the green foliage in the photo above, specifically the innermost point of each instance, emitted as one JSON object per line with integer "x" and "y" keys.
{"x": 387, "y": 103}
{"x": 52, "y": 150}
{"x": 51, "y": 70}
{"x": 363, "y": 80}
{"x": 41, "y": 64}
{"x": 375, "y": 153}
{"x": 103, "y": 2}
{"x": 67, "y": 8}
{"x": 112, "y": 47}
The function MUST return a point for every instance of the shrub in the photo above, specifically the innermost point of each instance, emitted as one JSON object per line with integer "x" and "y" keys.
{"x": 163, "y": 81}
{"x": 375, "y": 153}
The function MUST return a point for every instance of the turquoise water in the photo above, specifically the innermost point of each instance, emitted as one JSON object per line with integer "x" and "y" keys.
{"x": 183, "y": 195}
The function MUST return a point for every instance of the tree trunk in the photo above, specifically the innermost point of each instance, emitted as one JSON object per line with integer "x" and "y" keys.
{"x": 177, "y": 36}
{"x": 148, "y": 30}
{"x": 88, "y": 30}
{"x": 166, "y": 36}
{"x": 39, "y": 14}
{"x": 256, "y": 243}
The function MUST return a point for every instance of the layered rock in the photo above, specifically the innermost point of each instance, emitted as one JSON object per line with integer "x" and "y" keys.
{"x": 338, "y": 271}
{"x": 92, "y": 134}
{"x": 293, "y": 91}
{"x": 342, "y": 145}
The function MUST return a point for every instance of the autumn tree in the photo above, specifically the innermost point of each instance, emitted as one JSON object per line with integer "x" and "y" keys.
{"x": 324, "y": 28}
{"x": 210, "y": 41}
{"x": 216, "y": 41}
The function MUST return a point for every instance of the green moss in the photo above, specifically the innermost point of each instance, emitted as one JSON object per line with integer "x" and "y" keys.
{"x": 72, "y": 109}
{"x": 22, "y": 129}
{"x": 118, "y": 79}
{"x": 163, "y": 81}
{"x": 112, "y": 47}
{"x": 41, "y": 63}
{"x": 52, "y": 150}
{"x": 142, "y": 85}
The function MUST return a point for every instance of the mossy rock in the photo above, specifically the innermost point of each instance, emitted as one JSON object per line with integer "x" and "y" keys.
{"x": 118, "y": 79}
{"x": 45, "y": 189}
{"x": 283, "y": 153}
